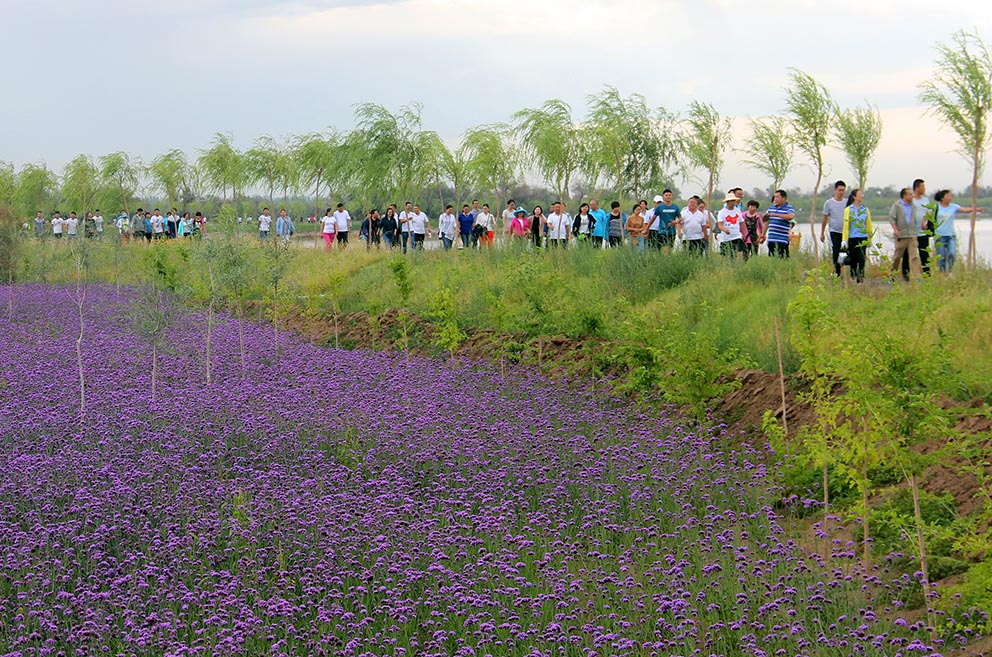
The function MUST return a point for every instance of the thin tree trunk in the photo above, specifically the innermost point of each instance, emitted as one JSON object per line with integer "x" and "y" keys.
{"x": 337, "y": 333}
{"x": 275, "y": 318}
{"x": 972, "y": 247}
{"x": 241, "y": 335}
{"x": 924, "y": 569}
{"x": 812, "y": 213}
{"x": 826, "y": 491}
{"x": 154, "y": 370}
{"x": 864, "y": 518}
{"x": 81, "y": 297}
{"x": 781, "y": 378}
{"x": 316, "y": 207}
{"x": 10, "y": 293}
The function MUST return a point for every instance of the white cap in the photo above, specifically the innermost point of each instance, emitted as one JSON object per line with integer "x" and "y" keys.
{"x": 658, "y": 199}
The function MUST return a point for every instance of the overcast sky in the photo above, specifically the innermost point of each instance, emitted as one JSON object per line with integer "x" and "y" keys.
{"x": 145, "y": 76}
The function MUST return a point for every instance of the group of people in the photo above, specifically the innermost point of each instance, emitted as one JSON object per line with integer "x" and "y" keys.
{"x": 737, "y": 228}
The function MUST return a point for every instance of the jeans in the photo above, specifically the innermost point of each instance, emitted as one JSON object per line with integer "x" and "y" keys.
{"x": 389, "y": 239}
{"x": 947, "y": 250}
{"x": 405, "y": 237}
{"x": 447, "y": 242}
{"x": 466, "y": 239}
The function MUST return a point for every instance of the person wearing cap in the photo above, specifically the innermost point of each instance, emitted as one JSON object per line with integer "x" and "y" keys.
{"x": 728, "y": 222}
{"x": 518, "y": 225}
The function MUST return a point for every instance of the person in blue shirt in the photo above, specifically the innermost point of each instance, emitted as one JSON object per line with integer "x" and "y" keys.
{"x": 601, "y": 231}
{"x": 778, "y": 224}
{"x": 665, "y": 221}
{"x": 947, "y": 248}
{"x": 465, "y": 222}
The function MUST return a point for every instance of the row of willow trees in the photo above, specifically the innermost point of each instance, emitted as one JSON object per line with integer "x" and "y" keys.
{"x": 622, "y": 148}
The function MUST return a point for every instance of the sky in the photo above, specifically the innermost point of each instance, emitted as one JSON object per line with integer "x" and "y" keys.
{"x": 146, "y": 76}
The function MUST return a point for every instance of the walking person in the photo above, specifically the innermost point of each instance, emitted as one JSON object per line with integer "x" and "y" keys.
{"x": 778, "y": 225}
{"x": 905, "y": 231}
{"x": 924, "y": 228}
{"x": 447, "y": 227}
{"x": 466, "y": 221}
{"x": 637, "y": 227}
{"x": 420, "y": 228}
{"x": 753, "y": 227}
{"x": 405, "y": 220}
{"x": 388, "y": 227}
{"x": 328, "y": 226}
{"x": 508, "y": 214}
{"x": 665, "y": 219}
{"x": 558, "y": 226}
{"x": 486, "y": 224}
{"x": 833, "y": 218}
{"x": 582, "y": 225}
{"x": 518, "y": 226}
{"x": 284, "y": 226}
{"x": 616, "y": 223}
{"x": 39, "y": 224}
{"x": 537, "y": 226}
{"x": 944, "y": 233}
{"x": 58, "y": 225}
{"x": 693, "y": 226}
{"x": 264, "y": 223}
{"x": 728, "y": 222}
{"x": 342, "y": 219}
{"x": 601, "y": 227}
{"x": 856, "y": 234}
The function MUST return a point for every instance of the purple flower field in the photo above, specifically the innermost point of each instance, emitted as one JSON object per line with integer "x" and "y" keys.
{"x": 350, "y": 503}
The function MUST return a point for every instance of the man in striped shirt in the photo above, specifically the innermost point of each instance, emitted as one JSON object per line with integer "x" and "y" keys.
{"x": 778, "y": 225}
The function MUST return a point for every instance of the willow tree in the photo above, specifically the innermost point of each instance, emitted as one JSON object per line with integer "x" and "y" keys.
{"x": 708, "y": 137}
{"x": 457, "y": 171}
{"x": 36, "y": 185}
{"x": 8, "y": 185}
{"x": 222, "y": 167}
{"x": 811, "y": 110}
{"x": 960, "y": 95}
{"x": 168, "y": 174}
{"x": 262, "y": 165}
{"x": 859, "y": 132}
{"x": 80, "y": 183}
{"x": 315, "y": 154}
{"x": 550, "y": 138}
{"x": 493, "y": 157}
{"x": 770, "y": 149}
{"x": 122, "y": 172}
{"x": 625, "y": 144}
{"x": 387, "y": 151}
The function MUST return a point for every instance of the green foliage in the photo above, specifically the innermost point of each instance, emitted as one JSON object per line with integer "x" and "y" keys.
{"x": 770, "y": 149}
{"x": 448, "y": 335}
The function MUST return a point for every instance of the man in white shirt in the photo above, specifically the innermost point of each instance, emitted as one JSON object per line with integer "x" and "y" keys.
{"x": 342, "y": 220}
{"x": 72, "y": 225}
{"x": 158, "y": 224}
{"x": 58, "y": 223}
{"x": 405, "y": 218}
{"x": 558, "y": 225}
{"x": 98, "y": 224}
{"x": 419, "y": 228}
{"x": 694, "y": 225}
{"x": 264, "y": 223}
